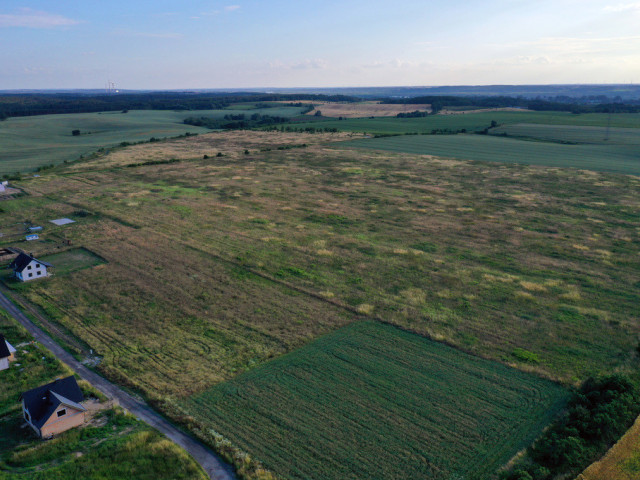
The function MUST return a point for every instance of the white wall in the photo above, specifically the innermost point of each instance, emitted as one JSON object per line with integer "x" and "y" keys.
{"x": 33, "y": 271}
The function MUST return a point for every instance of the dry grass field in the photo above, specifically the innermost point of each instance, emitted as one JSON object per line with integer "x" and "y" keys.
{"x": 365, "y": 109}
{"x": 622, "y": 461}
{"x": 231, "y": 144}
{"x": 217, "y": 265}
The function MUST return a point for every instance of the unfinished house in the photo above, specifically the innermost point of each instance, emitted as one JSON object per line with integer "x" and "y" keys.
{"x": 54, "y": 408}
{"x": 7, "y": 353}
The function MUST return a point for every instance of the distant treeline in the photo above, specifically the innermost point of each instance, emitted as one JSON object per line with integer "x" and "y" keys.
{"x": 20, "y": 105}
{"x": 587, "y": 104}
{"x": 235, "y": 122}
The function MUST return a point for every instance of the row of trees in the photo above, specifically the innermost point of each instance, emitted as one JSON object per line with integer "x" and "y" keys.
{"x": 16, "y": 105}
{"x": 596, "y": 417}
{"x": 235, "y": 121}
{"x": 564, "y": 104}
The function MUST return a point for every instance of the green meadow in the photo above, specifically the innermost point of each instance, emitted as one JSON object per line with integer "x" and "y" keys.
{"x": 27, "y": 143}
{"x": 470, "y": 121}
{"x": 571, "y": 134}
{"x": 620, "y": 158}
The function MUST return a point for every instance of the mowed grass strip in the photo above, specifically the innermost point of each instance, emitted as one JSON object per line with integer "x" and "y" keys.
{"x": 372, "y": 401}
{"x": 487, "y": 148}
{"x": 72, "y": 260}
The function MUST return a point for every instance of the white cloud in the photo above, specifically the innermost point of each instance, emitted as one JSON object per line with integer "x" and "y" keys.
{"x": 622, "y": 7}
{"x": 307, "y": 64}
{"x": 27, "y": 17}
{"x": 231, "y": 8}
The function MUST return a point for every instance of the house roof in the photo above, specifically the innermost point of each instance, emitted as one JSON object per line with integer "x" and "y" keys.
{"x": 5, "y": 347}
{"x": 43, "y": 401}
{"x": 22, "y": 260}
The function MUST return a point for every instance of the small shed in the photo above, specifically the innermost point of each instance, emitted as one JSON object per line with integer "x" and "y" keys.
{"x": 54, "y": 408}
{"x": 7, "y": 353}
{"x": 26, "y": 268}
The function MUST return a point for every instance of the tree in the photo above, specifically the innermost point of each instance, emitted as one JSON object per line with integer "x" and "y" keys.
{"x": 75, "y": 133}
{"x": 318, "y": 113}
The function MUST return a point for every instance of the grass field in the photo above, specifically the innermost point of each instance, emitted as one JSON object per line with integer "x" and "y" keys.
{"x": 371, "y": 401}
{"x": 494, "y": 258}
{"x": 217, "y": 266}
{"x": 472, "y": 121}
{"x": 571, "y": 134}
{"x": 40, "y": 366}
{"x": 30, "y": 142}
{"x": 112, "y": 445}
{"x": 72, "y": 260}
{"x": 618, "y": 158}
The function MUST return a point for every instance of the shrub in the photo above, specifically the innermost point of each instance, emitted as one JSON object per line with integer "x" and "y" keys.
{"x": 597, "y": 415}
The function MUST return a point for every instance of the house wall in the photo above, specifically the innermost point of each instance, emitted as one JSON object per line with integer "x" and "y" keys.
{"x": 4, "y": 363}
{"x": 56, "y": 425}
{"x": 32, "y": 271}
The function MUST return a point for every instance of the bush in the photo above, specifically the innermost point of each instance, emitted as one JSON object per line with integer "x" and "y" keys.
{"x": 597, "y": 416}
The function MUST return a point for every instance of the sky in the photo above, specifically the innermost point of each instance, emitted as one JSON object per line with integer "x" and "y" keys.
{"x": 160, "y": 44}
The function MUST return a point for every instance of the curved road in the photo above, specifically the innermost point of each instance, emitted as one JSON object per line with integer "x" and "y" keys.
{"x": 215, "y": 468}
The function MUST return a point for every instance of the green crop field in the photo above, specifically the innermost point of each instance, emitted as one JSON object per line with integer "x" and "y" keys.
{"x": 571, "y": 133}
{"x": 30, "y": 142}
{"x": 372, "y": 401}
{"x": 488, "y": 148}
{"x": 471, "y": 121}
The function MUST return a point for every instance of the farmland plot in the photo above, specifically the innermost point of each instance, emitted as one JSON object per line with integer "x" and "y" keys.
{"x": 27, "y": 143}
{"x": 422, "y": 243}
{"x": 216, "y": 266}
{"x": 371, "y": 401}
{"x": 471, "y": 121}
{"x": 571, "y": 133}
{"x": 623, "y": 158}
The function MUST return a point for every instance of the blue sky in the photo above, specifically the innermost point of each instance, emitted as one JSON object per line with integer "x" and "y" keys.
{"x": 287, "y": 43}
